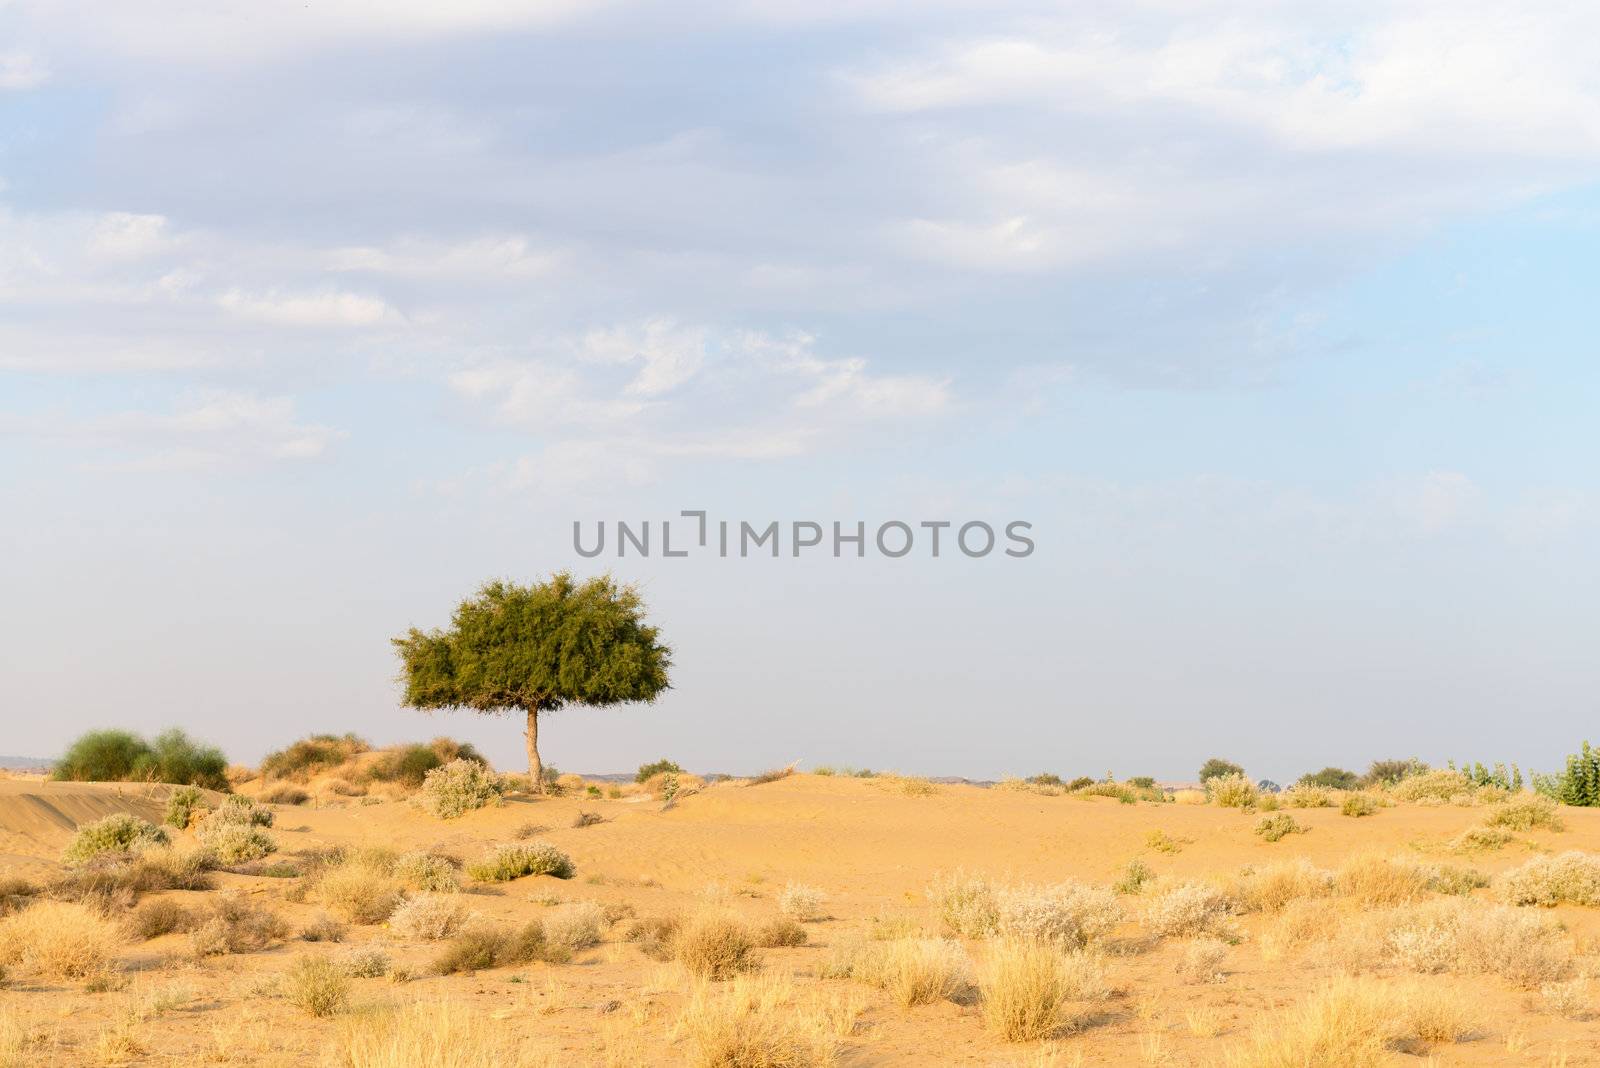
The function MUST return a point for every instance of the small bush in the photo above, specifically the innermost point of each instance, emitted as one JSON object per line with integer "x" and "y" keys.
{"x": 1188, "y": 909}
{"x": 1027, "y": 988}
{"x": 285, "y": 794}
{"x": 1304, "y": 795}
{"x": 1448, "y": 879}
{"x": 234, "y": 843}
{"x": 716, "y": 947}
{"x": 316, "y": 987}
{"x": 1441, "y": 785}
{"x": 1069, "y": 915}
{"x": 183, "y": 806}
{"x": 59, "y": 940}
{"x": 1134, "y": 876}
{"x": 1479, "y": 840}
{"x": 801, "y": 902}
{"x": 966, "y": 904}
{"x": 319, "y": 752}
{"x": 118, "y": 835}
{"x": 587, "y": 819}
{"x": 575, "y": 926}
{"x": 647, "y": 771}
{"x": 235, "y": 925}
{"x": 242, "y": 812}
{"x": 152, "y": 919}
{"x": 479, "y": 948}
{"x": 1162, "y": 842}
{"x": 459, "y": 787}
{"x": 428, "y": 872}
{"x": 1526, "y": 813}
{"x": 771, "y": 775}
{"x": 508, "y": 862}
{"x": 653, "y": 935}
{"x": 1358, "y": 805}
{"x": 360, "y": 892}
{"x": 1569, "y": 878}
{"x": 1201, "y": 961}
{"x": 429, "y": 917}
{"x": 364, "y": 963}
{"x": 1277, "y": 826}
{"x": 779, "y": 933}
{"x": 1232, "y": 791}
{"x": 325, "y": 928}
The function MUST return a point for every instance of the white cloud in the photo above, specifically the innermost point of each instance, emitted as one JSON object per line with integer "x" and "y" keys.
{"x": 121, "y": 235}
{"x": 671, "y": 355}
{"x": 20, "y": 70}
{"x": 204, "y": 428}
{"x": 1438, "y": 501}
{"x": 334, "y": 309}
{"x": 486, "y": 258}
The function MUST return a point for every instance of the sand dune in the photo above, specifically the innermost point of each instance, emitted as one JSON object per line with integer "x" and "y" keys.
{"x": 869, "y": 845}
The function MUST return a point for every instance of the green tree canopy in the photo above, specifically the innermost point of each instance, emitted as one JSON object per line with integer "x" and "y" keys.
{"x": 1216, "y": 766}
{"x": 533, "y": 649}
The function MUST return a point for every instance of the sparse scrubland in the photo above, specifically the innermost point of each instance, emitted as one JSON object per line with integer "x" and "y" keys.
{"x": 409, "y": 906}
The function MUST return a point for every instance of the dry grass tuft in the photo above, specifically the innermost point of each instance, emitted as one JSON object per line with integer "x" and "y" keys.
{"x": 426, "y": 1035}
{"x": 59, "y": 940}
{"x": 316, "y": 986}
{"x": 753, "y": 1022}
{"x": 235, "y": 925}
{"x": 1352, "y": 1023}
{"x": 1378, "y": 881}
{"x": 361, "y": 890}
{"x": 712, "y": 946}
{"x": 1201, "y": 961}
{"x": 508, "y": 862}
{"x": 1028, "y": 988}
{"x": 913, "y": 971}
{"x": 1272, "y": 887}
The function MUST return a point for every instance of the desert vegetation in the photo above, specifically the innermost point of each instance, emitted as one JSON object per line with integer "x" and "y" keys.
{"x": 363, "y": 903}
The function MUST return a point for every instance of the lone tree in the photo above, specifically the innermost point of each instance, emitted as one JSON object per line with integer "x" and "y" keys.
{"x": 533, "y": 649}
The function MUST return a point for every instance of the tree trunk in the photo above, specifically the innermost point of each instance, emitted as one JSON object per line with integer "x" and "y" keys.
{"x": 535, "y": 765}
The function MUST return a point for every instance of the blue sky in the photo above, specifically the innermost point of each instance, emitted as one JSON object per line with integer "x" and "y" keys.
{"x": 1274, "y": 320}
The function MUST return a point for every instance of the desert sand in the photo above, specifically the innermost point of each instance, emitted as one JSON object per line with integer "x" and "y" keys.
{"x": 872, "y": 846}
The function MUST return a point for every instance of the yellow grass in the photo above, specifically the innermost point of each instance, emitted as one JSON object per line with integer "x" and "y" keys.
{"x": 59, "y": 940}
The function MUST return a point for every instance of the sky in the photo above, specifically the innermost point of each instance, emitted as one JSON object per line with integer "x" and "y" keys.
{"x": 1274, "y": 321}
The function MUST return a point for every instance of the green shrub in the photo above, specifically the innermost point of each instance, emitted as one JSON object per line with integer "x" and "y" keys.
{"x": 657, "y": 767}
{"x": 182, "y": 806}
{"x": 1080, "y": 782}
{"x": 410, "y": 764}
{"x": 459, "y": 787}
{"x": 1439, "y": 785}
{"x": 319, "y": 752}
{"x": 1143, "y": 782}
{"x": 1278, "y": 825}
{"x": 1044, "y": 778}
{"x": 1216, "y": 767}
{"x": 1448, "y": 879}
{"x": 509, "y": 862}
{"x": 1331, "y": 778}
{"x": 1358, "y": 805}
{"x": 122, "y": 756}
{"x": 1389, "y": 772}
{"x": 1302, "y": 795}
{"x": 1579, "y": 784}
{"x": 117, "y": 835}
{"x": 1134, "y": 876}
{"x": 154, "y": 918}
{"x": 179, "y": 759}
